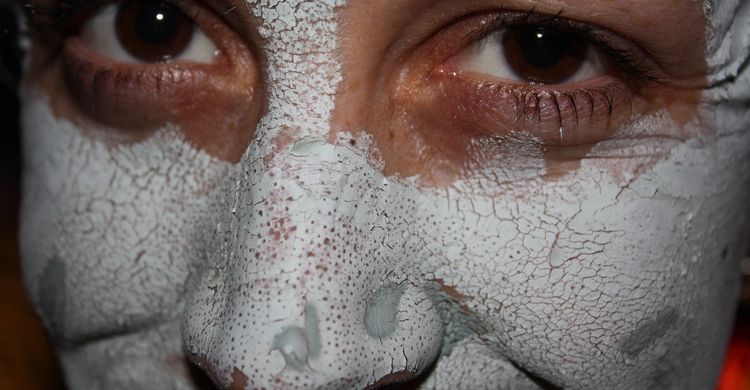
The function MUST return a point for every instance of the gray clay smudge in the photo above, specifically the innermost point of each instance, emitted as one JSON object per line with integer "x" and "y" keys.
{"x": 382, "y": 310}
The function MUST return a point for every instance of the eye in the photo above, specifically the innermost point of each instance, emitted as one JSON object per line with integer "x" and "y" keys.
{"x": 534, "y": 54}
{"x": 145, "y": 32}
{"x": 484, "y": 89}
{"x": 563, "y": 82}
{"x": 130, "y": 68}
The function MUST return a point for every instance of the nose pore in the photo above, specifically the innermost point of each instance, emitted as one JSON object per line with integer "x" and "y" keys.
{"x": 301, "y": 292}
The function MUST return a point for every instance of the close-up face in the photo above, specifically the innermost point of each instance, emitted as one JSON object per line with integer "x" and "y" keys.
{"x": 352, "y": 194}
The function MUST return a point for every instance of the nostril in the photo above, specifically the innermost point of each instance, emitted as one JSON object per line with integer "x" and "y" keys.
{"x": 402, "y": 380}
{"x": 393, "y": 381}
{"x": 200, "y": 380}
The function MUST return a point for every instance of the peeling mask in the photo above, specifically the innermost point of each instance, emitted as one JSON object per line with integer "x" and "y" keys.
{"x": 306, "y": 266}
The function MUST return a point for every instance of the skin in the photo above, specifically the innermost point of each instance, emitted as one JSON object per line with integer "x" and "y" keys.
{"x": 324, "y": 207}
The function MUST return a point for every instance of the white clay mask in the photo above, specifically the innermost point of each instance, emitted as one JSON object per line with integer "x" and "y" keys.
{"x": 305, "y": 266}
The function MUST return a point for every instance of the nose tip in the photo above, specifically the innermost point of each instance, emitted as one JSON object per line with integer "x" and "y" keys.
{"x": 390, "y": 334}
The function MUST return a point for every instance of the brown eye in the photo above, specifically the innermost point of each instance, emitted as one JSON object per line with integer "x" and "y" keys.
{"x": 153, "y": 31}
{"x": 543, "y": 55}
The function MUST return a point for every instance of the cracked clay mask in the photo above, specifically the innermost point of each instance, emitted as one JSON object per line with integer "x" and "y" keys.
{"x": 339, "y": 194}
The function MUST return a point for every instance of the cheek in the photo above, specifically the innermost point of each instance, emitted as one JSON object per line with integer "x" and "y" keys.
{"x": 111, "y": 233}
{"x": 608, "y": 274}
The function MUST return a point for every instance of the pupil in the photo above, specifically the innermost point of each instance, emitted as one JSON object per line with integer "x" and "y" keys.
{"x": 543, "y": 47}
{"x": 156, "y": 23}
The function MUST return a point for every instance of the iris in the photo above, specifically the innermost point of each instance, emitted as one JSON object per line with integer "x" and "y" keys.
{"x": 153, "y": 31}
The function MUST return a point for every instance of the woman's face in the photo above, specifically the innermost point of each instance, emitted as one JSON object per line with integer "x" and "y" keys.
{"x": 335, "y": 194}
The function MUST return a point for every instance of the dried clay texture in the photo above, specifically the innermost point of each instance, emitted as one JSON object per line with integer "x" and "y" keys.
{"x": 304, "y": 267}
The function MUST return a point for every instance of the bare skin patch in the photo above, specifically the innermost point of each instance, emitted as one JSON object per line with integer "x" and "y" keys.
{"x": 239, "y": 380}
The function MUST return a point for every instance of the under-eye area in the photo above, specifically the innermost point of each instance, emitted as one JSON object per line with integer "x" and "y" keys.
{"x": 447, "y": 98}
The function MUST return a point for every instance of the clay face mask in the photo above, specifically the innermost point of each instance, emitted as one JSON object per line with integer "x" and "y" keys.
{"x": 110, "y": 235}
{"x": 318, "y": 260}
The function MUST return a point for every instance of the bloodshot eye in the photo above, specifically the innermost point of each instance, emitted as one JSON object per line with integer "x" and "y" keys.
{"x": 147, "y": 31}
{"x": 535, "y": 55}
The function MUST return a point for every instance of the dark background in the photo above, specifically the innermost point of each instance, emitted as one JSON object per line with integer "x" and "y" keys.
{"x": 26, "y": 357}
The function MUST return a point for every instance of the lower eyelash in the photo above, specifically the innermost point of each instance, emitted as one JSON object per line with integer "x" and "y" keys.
{"x": 581, "y": 115}
{"x": 530, "y": 102}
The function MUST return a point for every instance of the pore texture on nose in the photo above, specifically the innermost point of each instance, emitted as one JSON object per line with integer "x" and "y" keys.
{"x": 300, "y": 292}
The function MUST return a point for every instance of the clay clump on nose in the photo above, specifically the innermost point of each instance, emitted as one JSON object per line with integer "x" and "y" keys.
{"x": 382, "y": 310}
{"x": 298, "y": 345}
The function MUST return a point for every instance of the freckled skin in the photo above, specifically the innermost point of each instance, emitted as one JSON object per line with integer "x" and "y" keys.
{"x": 263, "y": 272}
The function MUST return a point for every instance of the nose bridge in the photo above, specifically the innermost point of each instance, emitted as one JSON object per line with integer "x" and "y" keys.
{"x": 303, "y": 70}
{"x": 303, "y": 220}
{"x": 300, "y": 292}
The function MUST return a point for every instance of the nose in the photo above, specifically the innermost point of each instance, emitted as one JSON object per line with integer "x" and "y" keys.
{"x": 310, "y": 283}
